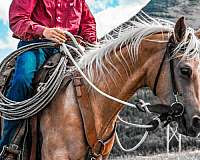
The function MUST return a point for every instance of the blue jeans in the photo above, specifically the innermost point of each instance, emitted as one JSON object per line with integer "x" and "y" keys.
{"x": 21, "y": 84}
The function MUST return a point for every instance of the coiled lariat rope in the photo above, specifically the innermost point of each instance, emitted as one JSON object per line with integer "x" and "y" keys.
{"x": 22, "y": 110}
{"x": 25, "y": 109}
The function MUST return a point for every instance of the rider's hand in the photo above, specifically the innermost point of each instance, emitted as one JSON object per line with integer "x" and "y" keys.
{"x": 54, "y": 34}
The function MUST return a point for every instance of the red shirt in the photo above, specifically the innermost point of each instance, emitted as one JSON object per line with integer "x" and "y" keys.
{"x": 28, "y": 18}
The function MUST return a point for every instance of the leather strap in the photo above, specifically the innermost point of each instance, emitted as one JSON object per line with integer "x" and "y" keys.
{"x": 86, "y": 111}
{"x": 13, "y": 151}
{"x": 34, "y": 137}
{"x": 168, "y": 53}
{"x": 174, "y": 86}
{"x": 97, "y": 146}
{"x": 158, "y": 74}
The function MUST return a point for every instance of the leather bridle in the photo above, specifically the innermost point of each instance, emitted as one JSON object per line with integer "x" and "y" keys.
{"x": 176, "y": 109}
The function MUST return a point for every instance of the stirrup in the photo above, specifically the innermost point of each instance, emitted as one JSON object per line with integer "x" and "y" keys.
{"x": 10, "y": 152}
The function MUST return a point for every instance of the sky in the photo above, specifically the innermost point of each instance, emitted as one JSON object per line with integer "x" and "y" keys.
{"x": 108, "y": 14}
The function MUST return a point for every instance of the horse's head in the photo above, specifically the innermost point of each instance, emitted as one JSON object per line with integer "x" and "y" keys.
{"x": 178, "y": 83}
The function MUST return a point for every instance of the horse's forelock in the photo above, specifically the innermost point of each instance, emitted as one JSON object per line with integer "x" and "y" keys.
{"x": 192, "y": 43}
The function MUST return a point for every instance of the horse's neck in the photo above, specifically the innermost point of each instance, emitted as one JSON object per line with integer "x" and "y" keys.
{"x": 122, "y": 81}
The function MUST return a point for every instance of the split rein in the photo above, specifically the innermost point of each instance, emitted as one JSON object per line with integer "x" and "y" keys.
{"x": 12, "y": 110}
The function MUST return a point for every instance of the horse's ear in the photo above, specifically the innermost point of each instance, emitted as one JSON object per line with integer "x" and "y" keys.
{"x": 180, "y": 29}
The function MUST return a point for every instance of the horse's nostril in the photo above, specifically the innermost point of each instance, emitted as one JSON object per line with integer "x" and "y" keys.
{"x": 196, "y": 121}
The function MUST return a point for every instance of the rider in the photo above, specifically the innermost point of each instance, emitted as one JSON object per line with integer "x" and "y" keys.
{"x": 31, "y": 21}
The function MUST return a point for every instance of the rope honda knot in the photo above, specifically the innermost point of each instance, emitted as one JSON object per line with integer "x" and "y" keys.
{"x": 142, "y": 105}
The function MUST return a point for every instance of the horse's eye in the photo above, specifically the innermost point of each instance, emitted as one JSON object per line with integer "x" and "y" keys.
{"x": 186, "y": 71}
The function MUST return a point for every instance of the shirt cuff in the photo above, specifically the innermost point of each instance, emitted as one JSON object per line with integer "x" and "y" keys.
{"x": 39, "y": 30}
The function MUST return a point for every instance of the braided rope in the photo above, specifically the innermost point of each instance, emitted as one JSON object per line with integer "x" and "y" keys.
{"x": 136, "y": 146}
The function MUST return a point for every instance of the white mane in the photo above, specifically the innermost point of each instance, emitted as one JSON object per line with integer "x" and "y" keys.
{"x": 132, "y": 33}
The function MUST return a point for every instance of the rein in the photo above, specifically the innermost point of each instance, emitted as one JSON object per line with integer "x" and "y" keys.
{"x": 167, "y": 113}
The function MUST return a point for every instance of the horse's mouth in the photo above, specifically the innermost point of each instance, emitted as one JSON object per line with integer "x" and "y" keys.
{"x": 184, "y": 130}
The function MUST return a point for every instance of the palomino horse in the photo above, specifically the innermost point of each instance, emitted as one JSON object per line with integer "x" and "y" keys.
{"x": 119, "y": 67}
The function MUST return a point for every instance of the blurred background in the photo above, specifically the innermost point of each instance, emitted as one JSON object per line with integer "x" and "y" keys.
{"x": 109, "y": 14}
{"x": 156, "y": 143}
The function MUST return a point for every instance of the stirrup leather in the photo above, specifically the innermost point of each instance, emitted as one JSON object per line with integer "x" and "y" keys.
{"x": 10, "y": 152}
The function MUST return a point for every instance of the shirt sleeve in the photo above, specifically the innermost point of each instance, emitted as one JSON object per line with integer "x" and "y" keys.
{"x": 20, "y": 20}
{"x": 88, "y": 25}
